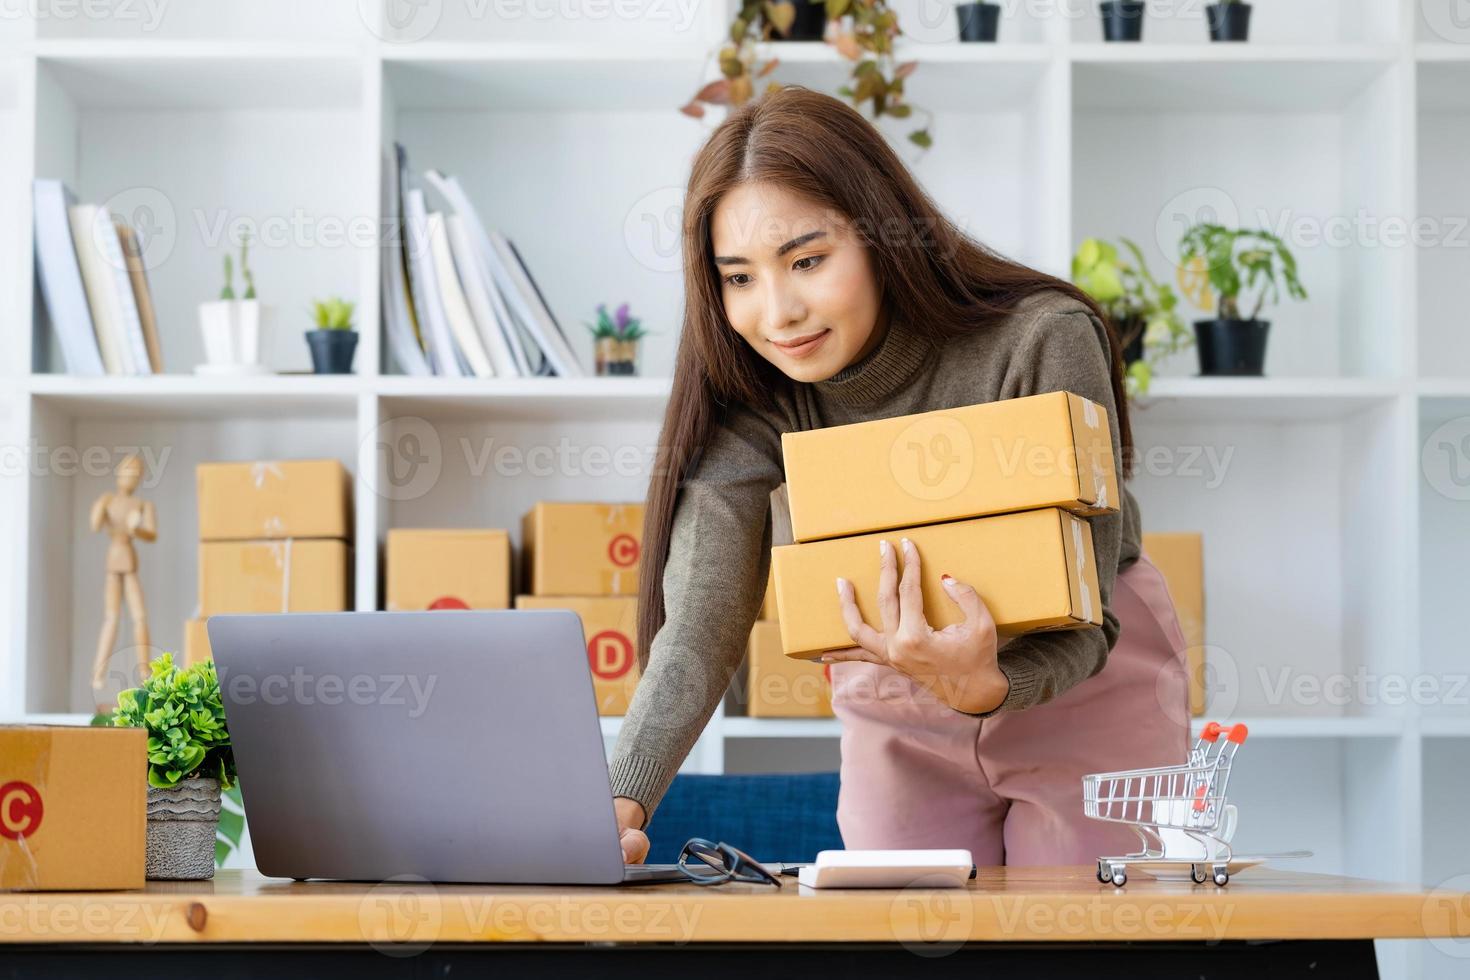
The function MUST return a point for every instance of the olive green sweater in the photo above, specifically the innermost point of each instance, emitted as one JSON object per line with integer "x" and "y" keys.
{"x": 719, "y": 552}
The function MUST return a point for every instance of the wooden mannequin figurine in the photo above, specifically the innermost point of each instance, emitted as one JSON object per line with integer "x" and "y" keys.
{"x": 124, "y": 517}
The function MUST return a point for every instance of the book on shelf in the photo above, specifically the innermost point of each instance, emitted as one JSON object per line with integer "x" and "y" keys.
{"x": 458, "y": 299}
{"x": 94, "y": 286}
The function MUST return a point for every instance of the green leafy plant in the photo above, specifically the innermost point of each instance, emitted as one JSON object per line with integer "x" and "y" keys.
{"x": 245, "y": 266}
{"x": 228, "y": 292}
{"x": 1236, "y": 261}
{"x": 185, "y": 720}
{"x": 620, "y": 326}
{"x": 865, "y": 38}
{"x": 334, "y": 313}
{"x": 1135, "y": 302}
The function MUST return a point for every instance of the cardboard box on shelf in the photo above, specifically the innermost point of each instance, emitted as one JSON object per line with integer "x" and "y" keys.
{"x": 295, "y": 498}
{"x": 295, "y": 575}
{"x": 1034, "y": 569}
{"x": 447, "y": 569}
{"x": 610, "y": 629}
{"x": 1049, "y": 450}
{"x": 196, "y": 641}
{"x": 575, "y": 549}
{"x": 778, "y": 686}
{"x": 1180, "y": 559}
{"x": 73, "y": 807}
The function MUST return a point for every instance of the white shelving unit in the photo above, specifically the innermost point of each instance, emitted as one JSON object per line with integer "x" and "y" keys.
{"x": 1331, "y": 492}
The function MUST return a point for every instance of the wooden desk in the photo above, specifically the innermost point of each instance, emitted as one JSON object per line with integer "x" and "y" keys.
{"x": 1009, "y": 917}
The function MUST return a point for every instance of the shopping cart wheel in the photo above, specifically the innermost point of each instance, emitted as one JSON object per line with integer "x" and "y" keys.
{"x": 1104, "y": 873}
{"x": 1198, "y": 874}
{"x": 1222, "y": 874}
{"x": 1120, "y": 877}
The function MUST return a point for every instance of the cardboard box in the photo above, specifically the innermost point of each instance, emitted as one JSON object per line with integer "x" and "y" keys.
{"x": 778, "y": 686}
{"x": 1051, "y": 450}
{"x": 299, "y": 498}
{"x": 610, "y": 628}
{"x": 448, "y": 569}
{"x": 1180, "y": 559}
{"x": 196, "y": 642}
{"x": 1034, "y": 569}
{"x": 769, "y": 612}
{"x": 296, "y": 575}
{"x": 582, "y": 549}
{"x": 73, "y": 807}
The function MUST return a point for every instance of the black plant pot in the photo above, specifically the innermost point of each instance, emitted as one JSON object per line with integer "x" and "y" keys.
{"x": 332, "y": 350}
{"x": 1122, "y": 20}
{"x": 1231, "y": 347}
{"x": 1229, "y": 21}
{"x": 978, "y": 21}
{"x": 809, "y": 24}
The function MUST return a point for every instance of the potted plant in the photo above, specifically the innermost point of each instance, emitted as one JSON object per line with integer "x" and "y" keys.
{"x": 978, "y": 21}
{"x": 1230, "y": 261}
{"x": 333, "y": 342}
{"x": 1230, "y": 20}
{"x": 616, "y": 339}
{"x": 1141, "y": 309}
{"x": 189, "y": 761}
{"x": 865, "y": 39}
{"x": 231, "y": 327}
{"x": 1122, "y": 20}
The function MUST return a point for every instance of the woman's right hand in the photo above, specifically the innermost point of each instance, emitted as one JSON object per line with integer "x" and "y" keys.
{"x": 630, "y": 820}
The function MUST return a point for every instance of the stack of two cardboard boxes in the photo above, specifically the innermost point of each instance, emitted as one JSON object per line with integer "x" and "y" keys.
{"x": 995, "y": 495}
{"x": 274, "y": 537}
{"x": 585, "y": 557}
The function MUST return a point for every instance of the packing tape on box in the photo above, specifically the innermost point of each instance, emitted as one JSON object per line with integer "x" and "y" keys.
{"x": 21, "y": 793}
{"x": 285, "y": 572}
{"x": 1099, "y": 475}
{"x": 1082, "y": 588}
{"x": 259, "y": 471}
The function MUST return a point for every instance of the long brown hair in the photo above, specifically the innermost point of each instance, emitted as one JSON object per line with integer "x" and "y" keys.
{"x": 940, "y": 280}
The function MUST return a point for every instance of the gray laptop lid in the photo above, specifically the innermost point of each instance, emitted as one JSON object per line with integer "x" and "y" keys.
{"x": 452, "y": 746}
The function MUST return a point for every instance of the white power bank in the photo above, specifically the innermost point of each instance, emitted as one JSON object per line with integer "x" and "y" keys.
{"x": 927, "y": 868}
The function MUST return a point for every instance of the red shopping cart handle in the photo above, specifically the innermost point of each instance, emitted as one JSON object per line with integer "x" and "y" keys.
{"x": 1235, "y": 733}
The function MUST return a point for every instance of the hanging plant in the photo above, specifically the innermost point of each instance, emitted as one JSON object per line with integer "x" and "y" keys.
{"x": 865, "y": 37}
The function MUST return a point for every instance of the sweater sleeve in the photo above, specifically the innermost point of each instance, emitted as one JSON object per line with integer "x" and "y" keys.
{"x": 714, "y": 581}
{"x": 1065, "y": 351}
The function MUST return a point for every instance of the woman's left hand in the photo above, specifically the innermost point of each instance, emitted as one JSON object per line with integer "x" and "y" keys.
{"x": 958, "y": 663}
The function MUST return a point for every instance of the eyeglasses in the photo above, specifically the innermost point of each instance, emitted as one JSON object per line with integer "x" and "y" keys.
{"x": 729, "y": 864}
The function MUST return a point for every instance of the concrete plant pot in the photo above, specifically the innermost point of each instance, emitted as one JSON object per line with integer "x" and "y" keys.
{"x": 182, "y": 821}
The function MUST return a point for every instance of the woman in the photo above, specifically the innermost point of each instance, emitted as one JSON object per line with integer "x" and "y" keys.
{"x": 824, "y": 287}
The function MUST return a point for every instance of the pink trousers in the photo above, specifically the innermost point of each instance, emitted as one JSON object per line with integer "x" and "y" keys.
{"x": 918, "y": 774}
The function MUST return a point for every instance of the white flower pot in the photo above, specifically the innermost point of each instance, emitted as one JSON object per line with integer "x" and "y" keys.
{"x": 247, "y": 331}
{"x": 216, "y": 325}
{"x": 233, "y": 332}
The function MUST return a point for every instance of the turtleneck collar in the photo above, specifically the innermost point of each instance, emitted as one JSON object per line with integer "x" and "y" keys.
{"x": 881, "y": 372}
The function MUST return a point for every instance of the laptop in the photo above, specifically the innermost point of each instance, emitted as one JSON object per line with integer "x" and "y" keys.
{"x": 448, "y": 746}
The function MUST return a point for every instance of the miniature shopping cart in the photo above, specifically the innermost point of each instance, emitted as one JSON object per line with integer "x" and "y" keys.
{"x": 1178, "y": 812}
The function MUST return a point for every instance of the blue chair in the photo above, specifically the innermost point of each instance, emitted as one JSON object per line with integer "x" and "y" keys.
{"x": 772, "y": 817}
